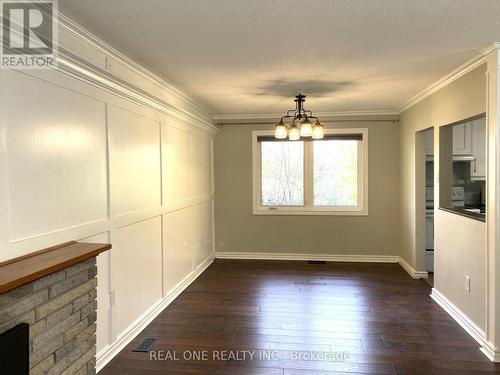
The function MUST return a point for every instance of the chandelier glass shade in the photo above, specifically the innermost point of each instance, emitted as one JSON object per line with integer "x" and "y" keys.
{"x": 294, "y": 133}
{"x": 306, "y": 128}
{"x": 317, "y": 131}
{"x": 300, "y": 125}
{"x": 281, "y": 131}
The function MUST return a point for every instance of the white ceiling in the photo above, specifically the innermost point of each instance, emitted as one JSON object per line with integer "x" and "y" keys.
{"x": 252, "y": 57}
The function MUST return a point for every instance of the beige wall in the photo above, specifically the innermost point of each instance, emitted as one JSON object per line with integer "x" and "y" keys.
{"x": 460, "y": 250}
{"x": 459, "y": 242}
{"x": 237, "y": 230}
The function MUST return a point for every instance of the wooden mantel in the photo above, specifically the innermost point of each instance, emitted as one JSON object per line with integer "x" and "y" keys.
{"x": 23, "y": 270}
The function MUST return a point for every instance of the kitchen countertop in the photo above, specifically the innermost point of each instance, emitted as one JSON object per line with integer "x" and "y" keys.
{"x": 464, "y": 212}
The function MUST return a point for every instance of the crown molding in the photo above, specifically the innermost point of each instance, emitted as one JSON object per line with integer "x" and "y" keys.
{"x": 77, "y": 31}
{"x": 495, "y": 46}
{"x": 78, "y": 69}
{"x": 269, "y": 118}
{"x": 468, "y": 66}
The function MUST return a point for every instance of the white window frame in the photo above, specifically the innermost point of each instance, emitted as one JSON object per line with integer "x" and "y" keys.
{"x": 309, "y": 209}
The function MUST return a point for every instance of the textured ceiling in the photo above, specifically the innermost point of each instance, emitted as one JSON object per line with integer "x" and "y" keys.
{"x": 252, "y": 57}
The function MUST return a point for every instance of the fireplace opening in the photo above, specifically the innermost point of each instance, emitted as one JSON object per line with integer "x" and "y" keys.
{"x": 14, "y": 350}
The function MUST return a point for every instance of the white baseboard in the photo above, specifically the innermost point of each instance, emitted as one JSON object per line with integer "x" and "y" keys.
{"x": 109, "y": 352}
{"x": 467, "y": 324}
{"x": 317, "y": 257}
{"x": 412, "y": 271}
{"x": 489, "y": 351}
{"x": 325, "y": 257}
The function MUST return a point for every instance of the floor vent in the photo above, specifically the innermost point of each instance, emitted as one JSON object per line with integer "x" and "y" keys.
{"x": 146, "y": 344}
{"x": 316, "y": 262}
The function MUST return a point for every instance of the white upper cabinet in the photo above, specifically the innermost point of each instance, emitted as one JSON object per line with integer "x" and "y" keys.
{"x": 478, "y": 167}
{"x": 462, "y": 139}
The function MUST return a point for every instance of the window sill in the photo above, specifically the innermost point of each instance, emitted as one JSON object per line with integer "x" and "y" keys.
{"x": 462, "y": 212}
{"x": 267, "y": 212}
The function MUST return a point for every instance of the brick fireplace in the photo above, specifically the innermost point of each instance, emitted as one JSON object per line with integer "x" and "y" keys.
{"x": 54, "y": 292}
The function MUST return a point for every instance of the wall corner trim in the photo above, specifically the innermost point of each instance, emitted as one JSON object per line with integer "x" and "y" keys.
{"x": 412, "y": 271}
{"x": 109, "y": 352}
{"x": 466, "y": 323}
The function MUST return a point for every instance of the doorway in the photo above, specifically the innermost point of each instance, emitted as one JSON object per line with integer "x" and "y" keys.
{"x": 424, "y": 185}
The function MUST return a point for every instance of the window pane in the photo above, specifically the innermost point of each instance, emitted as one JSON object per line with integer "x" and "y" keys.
{"x": 282, "y": 173}
{"x": 335, "y": 173}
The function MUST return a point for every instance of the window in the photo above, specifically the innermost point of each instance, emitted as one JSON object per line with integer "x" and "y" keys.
{"x": 282, "y": 173}
{"x": 306, "y": 177}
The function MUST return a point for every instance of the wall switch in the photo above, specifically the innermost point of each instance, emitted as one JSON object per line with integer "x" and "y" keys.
{"x": 467, "y": 283}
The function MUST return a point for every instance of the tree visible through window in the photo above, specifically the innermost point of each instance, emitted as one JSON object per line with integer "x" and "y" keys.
{"x": 282, "y": 169}
{"x": 335, "y": 173}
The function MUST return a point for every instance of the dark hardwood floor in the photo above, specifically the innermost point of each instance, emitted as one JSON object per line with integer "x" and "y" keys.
{"x": 303, "y": 319}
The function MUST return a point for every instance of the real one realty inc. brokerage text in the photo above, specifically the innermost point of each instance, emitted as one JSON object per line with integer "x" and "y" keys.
{"x": 245, "y": 355}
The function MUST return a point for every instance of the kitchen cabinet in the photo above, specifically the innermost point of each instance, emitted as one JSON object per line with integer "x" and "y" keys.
{"x": 462, "y": 139}
{"x": 478, "y": 166}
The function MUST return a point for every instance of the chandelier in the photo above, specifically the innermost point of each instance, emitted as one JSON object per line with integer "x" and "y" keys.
{"x": 298, "y": 123}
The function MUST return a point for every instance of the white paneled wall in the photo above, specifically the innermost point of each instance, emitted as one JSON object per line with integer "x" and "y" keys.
{"x": 56, "y": 145}
{"x": 176, "y": 152}
{"x": 201, "y": 172}
{"x": 137, "y": 269}
{"x": 83, "y": 158}
{"x": 135, "y": 161}
{"x": 203, "y": 232}
{"x": 178, "y": 259}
